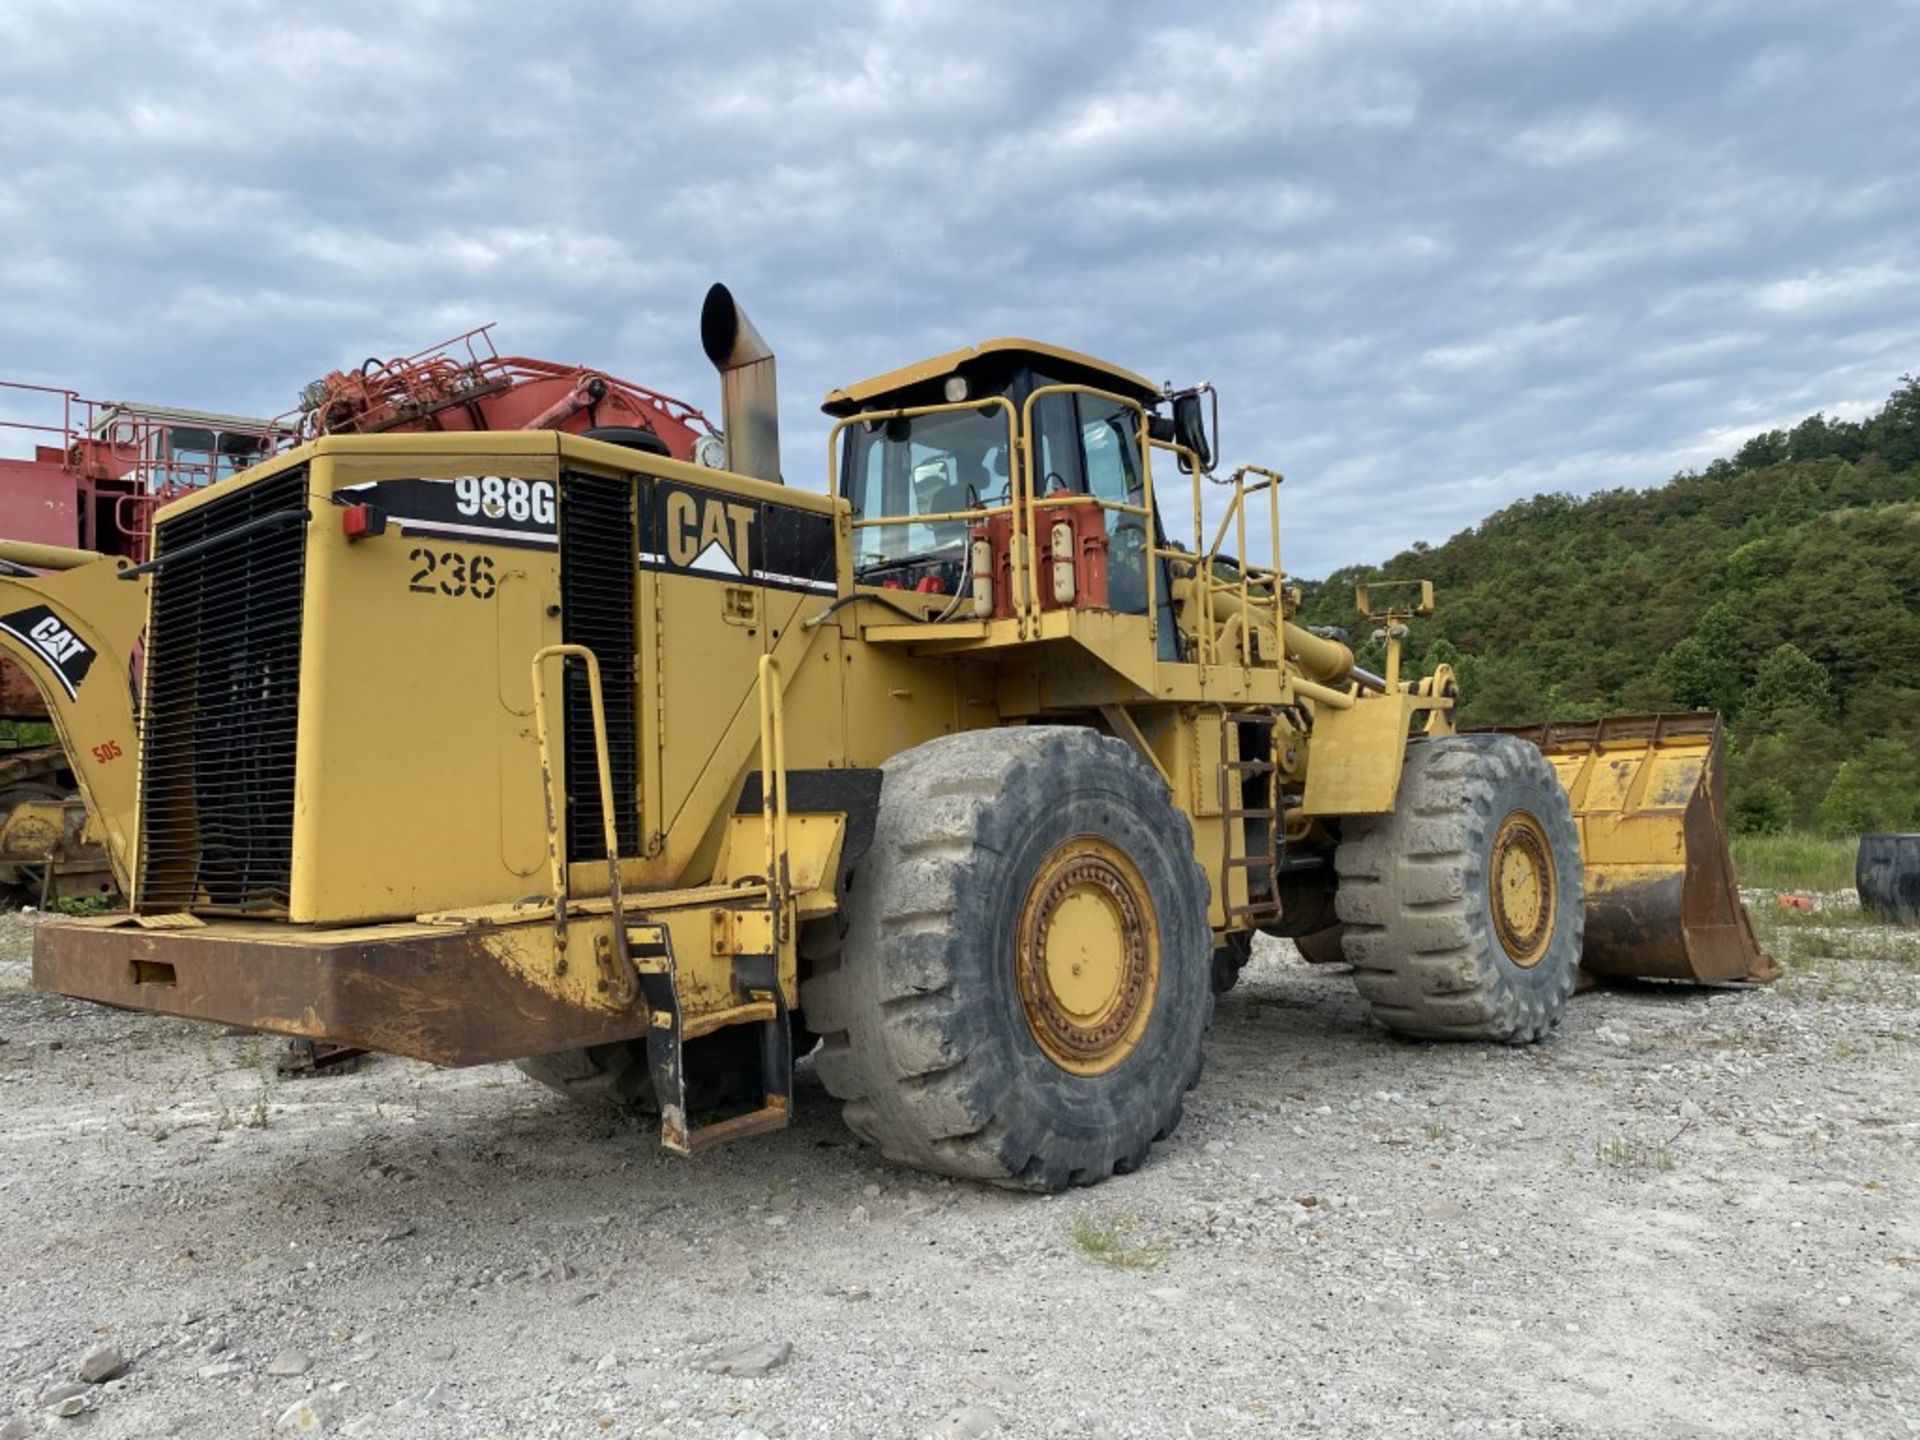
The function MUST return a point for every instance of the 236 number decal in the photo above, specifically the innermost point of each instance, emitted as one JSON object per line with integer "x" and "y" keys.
{"x": 452, "y": 573}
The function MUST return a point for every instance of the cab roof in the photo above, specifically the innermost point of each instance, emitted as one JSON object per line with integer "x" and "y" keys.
{"x": 1066, "y": 366}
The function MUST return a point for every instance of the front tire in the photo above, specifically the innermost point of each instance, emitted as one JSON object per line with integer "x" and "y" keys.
{"x": 1023, "y": 987}
{"x": 1463, "y": 908}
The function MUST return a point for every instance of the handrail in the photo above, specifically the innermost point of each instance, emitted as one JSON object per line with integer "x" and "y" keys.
{"x": 1025, "y": 500}
{"x": 628, "y": 979}
{"x": 1029, "y": 459}
{"x": 1203, "y": 593}
{"x": 913, "y": 412}
{"x": 773, "y": 793}
{"x": 1236, "y": 516}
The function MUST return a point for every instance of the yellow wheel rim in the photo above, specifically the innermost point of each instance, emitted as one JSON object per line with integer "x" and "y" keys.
{"x": 1524, "y": 890}
{"x": 1089, "y": 956}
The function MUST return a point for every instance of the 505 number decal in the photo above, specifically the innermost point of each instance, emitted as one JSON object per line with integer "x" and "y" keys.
{"x": 452, "y": 573}
{"x": 499, "y": 497}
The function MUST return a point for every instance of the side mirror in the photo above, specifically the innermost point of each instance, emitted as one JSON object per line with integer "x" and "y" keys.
{"x": 1190, "y": 426}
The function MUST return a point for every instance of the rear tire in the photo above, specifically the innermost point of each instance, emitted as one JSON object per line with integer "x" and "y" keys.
{"x": 1022, "y": 990}
{"x": 1464, "y": 908}
{"x": 1322, "y": 947}
{"x": 1230, "y": 957}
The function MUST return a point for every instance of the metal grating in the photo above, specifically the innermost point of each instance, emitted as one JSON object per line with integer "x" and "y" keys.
{"x": 222, "y": 705}
{"x": 599, "y": 564}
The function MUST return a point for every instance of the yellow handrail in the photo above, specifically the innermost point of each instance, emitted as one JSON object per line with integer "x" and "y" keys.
{"x": 773, "y": 792}
{"x": 1203, "y": 594}
{"x": 629, "y": 982}
{"x": 911, "y": 412}
{"x": 1028, "y": 560}
{"x": 1236, "y": 516}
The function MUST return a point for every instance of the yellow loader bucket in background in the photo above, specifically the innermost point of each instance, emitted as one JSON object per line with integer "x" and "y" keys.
{"x": 1649, "y": 803}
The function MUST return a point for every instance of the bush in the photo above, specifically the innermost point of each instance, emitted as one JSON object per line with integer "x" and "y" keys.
{"x": 1879, "y": 789}
{"x": 1787, "y": 679}
{"x": 1763, "y": 808}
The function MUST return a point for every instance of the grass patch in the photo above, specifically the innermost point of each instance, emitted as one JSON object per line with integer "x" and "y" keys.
{"x": 1110, "y": 1243}
{"x": 1806, "y": 943}
{"x": 1795, "y": 860}
{"x": 1838, "y": 953}
{"x": 1633, "y": 1152}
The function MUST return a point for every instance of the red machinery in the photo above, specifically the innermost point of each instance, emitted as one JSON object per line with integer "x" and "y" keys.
{"x": 111, "y": 465}
{"x": 99, "y": 470}
{"x": 466, "y": 384}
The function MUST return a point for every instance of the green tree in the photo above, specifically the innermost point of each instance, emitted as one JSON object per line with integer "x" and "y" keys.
{"x": 1702, "y": 672}
{"x": 1878, "y": 789}
{"x": 1895, "y": 431}
{"x": 1763, "y": 808}
{"x": 1799, "y": 751}
{"x": 1767, "y": 448}
{"x": 1440, "y": 652}
{"x": 1499, "y": 691}
{"x": 1788, "y": 677}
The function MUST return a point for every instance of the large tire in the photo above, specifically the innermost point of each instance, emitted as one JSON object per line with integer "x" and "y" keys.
{"x": 926, "y": 1012}
{"x": 1230, "y": 957}
{"x": 1886, "y": 875}
{"x": 1440, "y": 949}
{"x": 1322, "y": 947}
{"x": 611, "y": 1076}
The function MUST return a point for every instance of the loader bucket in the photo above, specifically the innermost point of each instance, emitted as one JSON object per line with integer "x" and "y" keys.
{"x": 1649, "y": 803}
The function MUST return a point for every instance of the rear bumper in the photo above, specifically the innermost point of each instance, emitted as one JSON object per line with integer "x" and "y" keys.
{"x": 430, "y": 993}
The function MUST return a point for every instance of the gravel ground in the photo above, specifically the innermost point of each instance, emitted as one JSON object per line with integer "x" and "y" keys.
{"x": 1692, "y": 1213}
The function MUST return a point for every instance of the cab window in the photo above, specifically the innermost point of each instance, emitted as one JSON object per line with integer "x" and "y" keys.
{"x": 923, "y": 466}
{"x": 1109, "y": 438}
{"x": 1056, "y": 436}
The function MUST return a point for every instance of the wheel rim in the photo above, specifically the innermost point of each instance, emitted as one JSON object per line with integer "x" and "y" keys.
{"x": 1089, "y": 956}
{"x": 1524, "y": 892}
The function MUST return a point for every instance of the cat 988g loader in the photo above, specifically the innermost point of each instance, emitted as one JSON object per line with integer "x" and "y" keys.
{"x": 972, "y": 776}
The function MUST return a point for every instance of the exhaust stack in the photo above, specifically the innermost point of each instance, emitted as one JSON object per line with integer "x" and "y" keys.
{"x": 749, "y": 397}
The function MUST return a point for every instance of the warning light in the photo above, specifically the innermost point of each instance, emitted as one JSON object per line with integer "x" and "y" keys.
{"x": 360, "y": 521}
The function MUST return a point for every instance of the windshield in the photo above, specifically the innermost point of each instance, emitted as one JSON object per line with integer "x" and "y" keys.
{"x": 928, "y": 465}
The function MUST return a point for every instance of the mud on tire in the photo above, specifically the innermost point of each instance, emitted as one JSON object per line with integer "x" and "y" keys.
{"x": 924, "y": 1037}
{"x": 1423, "y": 922}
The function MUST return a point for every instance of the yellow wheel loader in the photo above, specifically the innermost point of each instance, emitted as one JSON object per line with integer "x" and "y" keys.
{"x": 972, "y": 775}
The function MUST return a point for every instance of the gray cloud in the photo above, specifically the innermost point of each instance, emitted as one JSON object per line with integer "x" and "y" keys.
{"x": 1437, "y": 257}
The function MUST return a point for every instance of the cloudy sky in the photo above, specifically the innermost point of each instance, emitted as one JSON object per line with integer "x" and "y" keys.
{"x": 1437, "y": 256}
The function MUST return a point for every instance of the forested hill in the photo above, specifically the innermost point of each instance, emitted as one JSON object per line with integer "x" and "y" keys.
{"x": 1780, "y": 587}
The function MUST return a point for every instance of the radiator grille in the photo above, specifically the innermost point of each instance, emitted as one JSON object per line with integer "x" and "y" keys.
{"x": 221, "y": 706}
{"x": 598, "y": 567}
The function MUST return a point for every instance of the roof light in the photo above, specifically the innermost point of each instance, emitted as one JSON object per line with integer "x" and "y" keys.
{"x": 955, "y": 389}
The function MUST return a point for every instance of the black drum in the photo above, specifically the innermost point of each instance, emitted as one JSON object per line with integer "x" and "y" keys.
{"x": 1887, "y": 874}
